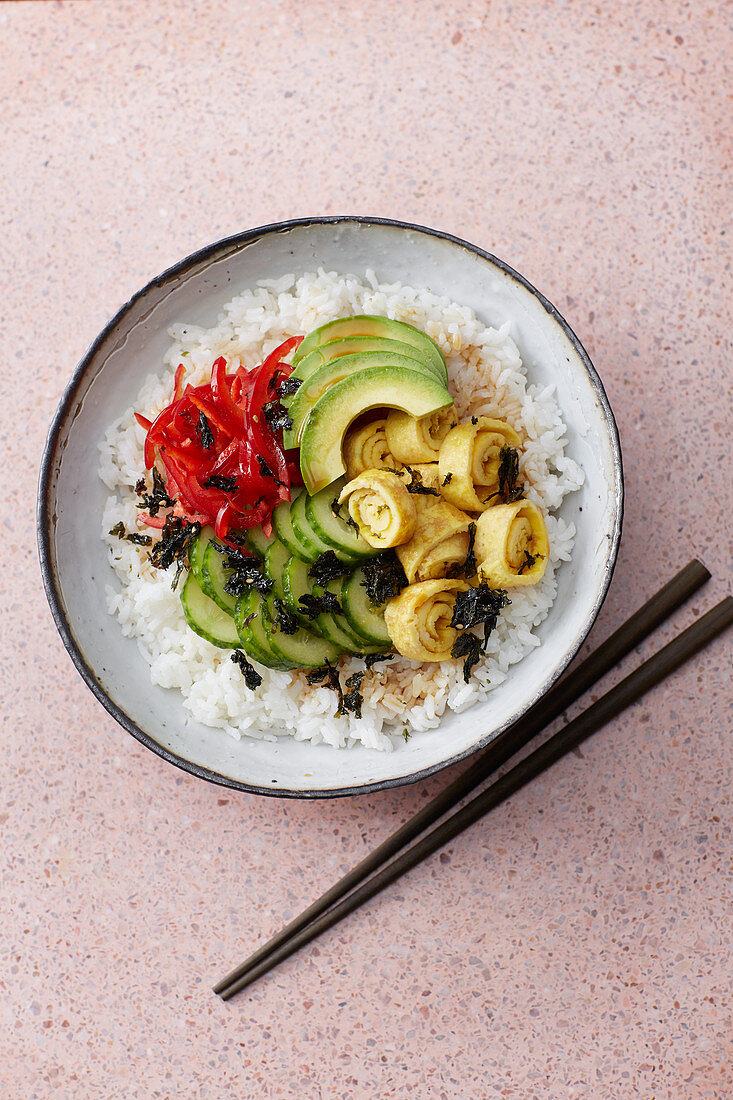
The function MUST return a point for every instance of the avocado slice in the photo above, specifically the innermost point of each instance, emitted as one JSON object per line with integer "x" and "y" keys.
{"x": 351, "y": 345}
{"x": 367, "y": 325}
{"x": 384, "y": 386}
{"x": 316, "y": 384}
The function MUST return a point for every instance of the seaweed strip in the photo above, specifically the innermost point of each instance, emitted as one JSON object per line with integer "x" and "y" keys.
{"x": 384, "y": 577}
{"x": 205, "y": 433}
{"x": 327, "y": 567}
{"x": 158, "y": 498}
{"x": 139, "y": 540}
{"x": 277, "y": 416}
{"x": 252, "y": 677}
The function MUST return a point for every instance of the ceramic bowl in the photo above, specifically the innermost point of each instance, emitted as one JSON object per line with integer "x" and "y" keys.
{"x": 71, "y": 497}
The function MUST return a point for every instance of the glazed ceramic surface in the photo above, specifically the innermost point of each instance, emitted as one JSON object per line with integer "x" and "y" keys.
{"x": 71, "y": 497}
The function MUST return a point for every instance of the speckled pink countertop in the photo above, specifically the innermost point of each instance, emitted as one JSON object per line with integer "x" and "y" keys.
{"x": 578, "y": 942}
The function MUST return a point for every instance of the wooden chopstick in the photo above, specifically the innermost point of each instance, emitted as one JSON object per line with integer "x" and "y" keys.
{"x": 629, "y": 635}
{"x": 628, "y": 691}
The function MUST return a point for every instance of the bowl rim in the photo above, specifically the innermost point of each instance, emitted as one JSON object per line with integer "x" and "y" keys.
{"x": 44, "y": 503}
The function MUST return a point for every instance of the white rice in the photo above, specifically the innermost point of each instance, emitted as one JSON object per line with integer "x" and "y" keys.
{"x": 486, "y": 377}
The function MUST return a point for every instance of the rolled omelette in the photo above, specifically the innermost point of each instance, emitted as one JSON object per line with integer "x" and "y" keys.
{"x": 440, "y": 540}
{"x": 381, "y": 507}
{"x": 366, "y": 448}
{"x": 469, "y": 461}
{"x": 418, "y": 439}
{"x": 418, "y": 620}
{"x": 511, "y": 545}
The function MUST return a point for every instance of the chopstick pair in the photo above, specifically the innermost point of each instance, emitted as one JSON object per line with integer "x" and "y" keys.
{"x": 356, "y": 886}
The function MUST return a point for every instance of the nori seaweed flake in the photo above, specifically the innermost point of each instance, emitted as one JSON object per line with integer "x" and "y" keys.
{"x": 529, "y": 560}
{"x": 205, "y": 433}
{"x": 384, "y": 577}
{"x": 447, "y": 479}
{"x": 509, "y": 491}
{"x": 474, "y": 420}
{"x": 327, "y": 567}
{"x": 157, "y": 498}
{"x": 336, "y": 509}
{"x": 478, "y": 605}
{"x": 139, "y": 540}
{"x": 245, "y": 577}
{"x": 415, "y": 484}
{"x": 313, "y": 605}
{"x": 219, "y": 481}
{"x": 266, "y": 471}
{"x": 277, "y": 416}
{"x": 471, "y": 647}
{"x": 352, "y": 699}
{"x": 371, "y": 659}
{"x": 177, "y": 538}
{"x": 284, "y": 619}
{"x": 288, "y": 387}
{"x": 252, "y": 677}
{"x": 468, "y": 568}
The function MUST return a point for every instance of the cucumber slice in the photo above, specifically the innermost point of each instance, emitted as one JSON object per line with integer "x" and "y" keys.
{"x": 282, "y": 523}
{"x": 358, "y": 643}
{"x": 303, "y": 530}
{"x": 215, "y": 577}
{"x": 206, "y": 618}
{"x": 303, "y": 648}
{"x": 275, "y": 558}
{"x": 297, "y": 583}
{"x": 253, "y": 632}
{"x": 331, "y": 528}
{"x": 257, "y": 541}
{"x": 361, "y": 614}
{"x": 196, "y": 556}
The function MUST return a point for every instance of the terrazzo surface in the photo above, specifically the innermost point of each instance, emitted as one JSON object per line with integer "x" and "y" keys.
{"x": 578, "y": 942}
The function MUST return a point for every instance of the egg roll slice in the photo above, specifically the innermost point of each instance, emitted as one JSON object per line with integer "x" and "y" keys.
{"x": 418, "y": 439}
{"x": 419, "y": 619}
{"x": 511, "y": 545}
{"x": 469, "y": 461}
{"x": 381, "y": 507}
{"x": 440, "y": 541}
{"x": 366, "y": 448}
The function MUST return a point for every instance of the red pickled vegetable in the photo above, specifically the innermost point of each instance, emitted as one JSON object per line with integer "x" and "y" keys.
{"x": 224, "y": 464}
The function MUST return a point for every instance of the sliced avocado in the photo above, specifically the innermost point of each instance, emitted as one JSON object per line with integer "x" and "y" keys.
{"x": 316, "y": 384}
{"x": 368, "y": 325}
{"x": 351, "y": 345}
{"x": 385, "y": 386}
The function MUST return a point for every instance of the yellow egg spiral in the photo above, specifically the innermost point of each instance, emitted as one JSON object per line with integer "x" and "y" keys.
{"x": 469, "y": 462}
{"x": 366, "y": 448}
{"x": 418, "y": 620}
{"x": 440, "y": 541}
{"x": 511, "y": 545}
{"x": 381, "y": 507}
{"x": 412, "y": 439}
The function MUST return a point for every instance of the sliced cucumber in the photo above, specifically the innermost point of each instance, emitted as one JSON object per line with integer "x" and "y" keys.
{"x": 196, "y": 556}
{"x": 257, "y": 541}
{"x": 333, "y": 530}
{"x": 253, "y": 632}
{"x": 302, "y": 648}
{"x": 215, "y": 576}
{"x": 206, "y": 618}
{"x": 283, "y": 525}
{"x": 275, "y": 558}
{"x": 304, "y": 531}
{"x": 361, "y": 615}
{"x": 358, "y": 643}
{"x": 297, "y": 583}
